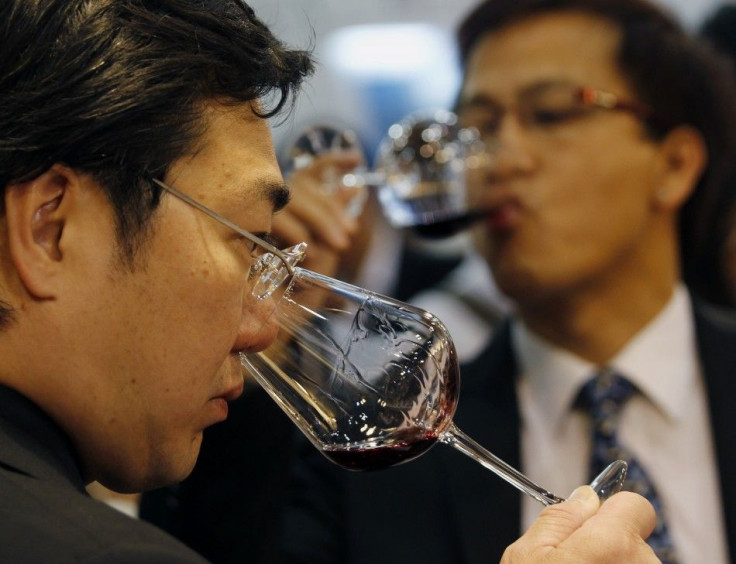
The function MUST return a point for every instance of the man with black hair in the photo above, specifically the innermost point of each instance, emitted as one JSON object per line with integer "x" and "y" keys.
{"x": 124, "y": 308}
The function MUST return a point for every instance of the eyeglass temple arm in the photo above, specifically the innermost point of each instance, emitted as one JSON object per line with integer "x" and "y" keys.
{"x": 216, "y": 216}
{"x": 610, "y": 101}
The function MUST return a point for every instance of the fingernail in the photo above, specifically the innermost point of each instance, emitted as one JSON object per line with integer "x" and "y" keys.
{"x": 582, "y": 493}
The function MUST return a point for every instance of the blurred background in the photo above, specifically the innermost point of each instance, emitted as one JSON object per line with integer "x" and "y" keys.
{"x": 381, "y": 59}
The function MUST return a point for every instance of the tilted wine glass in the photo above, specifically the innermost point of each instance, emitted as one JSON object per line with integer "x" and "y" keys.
{"x": 372, "y": 382}
{"x": 419, "y": 171}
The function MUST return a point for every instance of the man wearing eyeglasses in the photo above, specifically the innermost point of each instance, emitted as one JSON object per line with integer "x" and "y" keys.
{"x": 124, "y": 308}
{"x": 607, "y": 130}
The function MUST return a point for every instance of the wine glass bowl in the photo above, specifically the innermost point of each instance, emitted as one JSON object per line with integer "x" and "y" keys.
{"x": 419, "y": 173}
{"x": 423, "y": 161}
{"x": 320, "y": 140}
{"x": 367, "y": 381}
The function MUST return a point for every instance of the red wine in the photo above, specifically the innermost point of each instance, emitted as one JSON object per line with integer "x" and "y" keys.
{"x": 380, "y": 433}
{"x": 448, "y": 226}
{"x": 376, "y": 457}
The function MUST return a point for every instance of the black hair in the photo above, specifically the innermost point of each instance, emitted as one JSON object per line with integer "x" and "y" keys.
{"x": 115, "y": 88}
{"x": 712, "y": 275}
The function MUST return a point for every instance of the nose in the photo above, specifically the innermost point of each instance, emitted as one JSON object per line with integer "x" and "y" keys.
{"x": 509, "y": 152}
{"x": 258, "y": 326}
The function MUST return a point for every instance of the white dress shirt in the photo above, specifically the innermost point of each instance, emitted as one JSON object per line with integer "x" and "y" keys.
{"x": 666, "y": 427}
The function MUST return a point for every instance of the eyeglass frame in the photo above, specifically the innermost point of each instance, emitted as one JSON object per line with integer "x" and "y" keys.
{"x": 281, "y": 255}
{"x": 602, "y": 99}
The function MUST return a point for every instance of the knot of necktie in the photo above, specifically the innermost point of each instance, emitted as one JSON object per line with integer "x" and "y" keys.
{"x": 603, "y": 397}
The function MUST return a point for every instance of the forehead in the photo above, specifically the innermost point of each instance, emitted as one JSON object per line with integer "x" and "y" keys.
{"x": 234, "y": 159}
{"x": 564, "y": 46}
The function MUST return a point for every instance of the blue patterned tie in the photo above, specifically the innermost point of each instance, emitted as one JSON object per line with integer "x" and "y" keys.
{"x": 603, "y": 396}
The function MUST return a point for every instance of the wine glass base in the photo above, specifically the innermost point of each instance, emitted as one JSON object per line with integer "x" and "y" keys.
{"x": 611, "y": 480}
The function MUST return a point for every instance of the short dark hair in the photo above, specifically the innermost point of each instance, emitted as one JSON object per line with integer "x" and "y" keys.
{"x": 681, "y": 78}
{"x": 716, "y": 283}
{"x": 719, "y": 29}
{"x": 115, "y": 88}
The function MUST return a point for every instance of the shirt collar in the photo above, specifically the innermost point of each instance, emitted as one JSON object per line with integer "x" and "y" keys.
{"x": 660, "y": 360}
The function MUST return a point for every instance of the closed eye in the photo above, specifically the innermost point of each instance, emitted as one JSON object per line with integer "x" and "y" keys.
{"x": 267, "y": 237}
{"x": 548, "y": 117}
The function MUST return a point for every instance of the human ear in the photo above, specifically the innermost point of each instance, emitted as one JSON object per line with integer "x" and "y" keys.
{"x": 683, "y": 157}
{"x": 35, "y": 218}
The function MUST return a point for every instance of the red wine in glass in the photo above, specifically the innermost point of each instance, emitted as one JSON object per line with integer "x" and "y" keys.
{"x": 383, "y": 455}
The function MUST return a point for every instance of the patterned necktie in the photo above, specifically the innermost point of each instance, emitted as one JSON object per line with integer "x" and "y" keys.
{"x": 603, "y": 396}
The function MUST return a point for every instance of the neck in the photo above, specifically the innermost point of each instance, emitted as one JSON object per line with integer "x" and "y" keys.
{"x": 596, "y": 321}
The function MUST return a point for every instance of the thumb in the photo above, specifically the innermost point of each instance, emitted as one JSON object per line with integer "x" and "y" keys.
{"x": 553, "y": 526}
{"x": 557, "y": 522}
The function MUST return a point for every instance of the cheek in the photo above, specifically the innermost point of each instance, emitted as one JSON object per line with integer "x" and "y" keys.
{"x": 193, "y": 315}
{"x": 597, "y": 193}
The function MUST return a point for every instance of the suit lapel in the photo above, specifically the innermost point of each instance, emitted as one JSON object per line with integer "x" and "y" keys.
{"x": 716, "y": 332}
{"x": 485, "y": 507}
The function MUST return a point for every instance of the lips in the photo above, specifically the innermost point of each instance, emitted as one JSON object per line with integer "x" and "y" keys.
{"x": 232, "y": 393}
{"x": 504, "y": 212}
{"x": 219, "y": 403}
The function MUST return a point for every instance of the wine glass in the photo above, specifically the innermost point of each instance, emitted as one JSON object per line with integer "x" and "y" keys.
{"x": 373, "y": 382}
{"x": 419, "y": 173}
{"x": 423, "y": 161}
{"x": 322, "y": 139}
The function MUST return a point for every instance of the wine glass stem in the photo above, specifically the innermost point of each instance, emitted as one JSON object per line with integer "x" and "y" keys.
{"x": 456, "y": 438}
{"x": 366, "y": 178}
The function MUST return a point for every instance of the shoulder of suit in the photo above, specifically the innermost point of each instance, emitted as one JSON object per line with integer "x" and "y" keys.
{"x": 721, "y": 317}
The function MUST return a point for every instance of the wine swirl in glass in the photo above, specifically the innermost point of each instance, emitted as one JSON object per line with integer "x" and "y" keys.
{"x": 373, "y": 382}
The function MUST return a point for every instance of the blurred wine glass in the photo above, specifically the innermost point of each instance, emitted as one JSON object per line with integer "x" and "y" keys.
{"x": 419, "y": 172}
{"x": 423, "y": 162}
{"x": 324, "y": 139}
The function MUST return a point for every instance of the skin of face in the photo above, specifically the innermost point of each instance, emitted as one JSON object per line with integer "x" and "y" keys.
{"x": 576, "y": 219}
{"x": 148, "y": 357}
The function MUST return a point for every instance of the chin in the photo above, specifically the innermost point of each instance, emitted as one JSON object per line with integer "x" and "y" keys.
{"x": 185, "y": 464}
{"x": 169, "y": 464}
{"x": 171, "y": 467}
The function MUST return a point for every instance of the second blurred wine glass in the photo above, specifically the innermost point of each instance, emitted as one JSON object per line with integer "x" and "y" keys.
{"x": 419, "y": 170}
{"x": 323, "y": 139}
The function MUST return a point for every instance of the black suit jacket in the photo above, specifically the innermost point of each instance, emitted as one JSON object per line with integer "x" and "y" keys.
{"x": 443, "y": 507}
{"x": 45, "y": 512}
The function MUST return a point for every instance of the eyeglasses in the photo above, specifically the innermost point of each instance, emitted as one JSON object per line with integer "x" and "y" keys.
{"x": 547, "y": 108}
{"x": 270, "y": 268}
